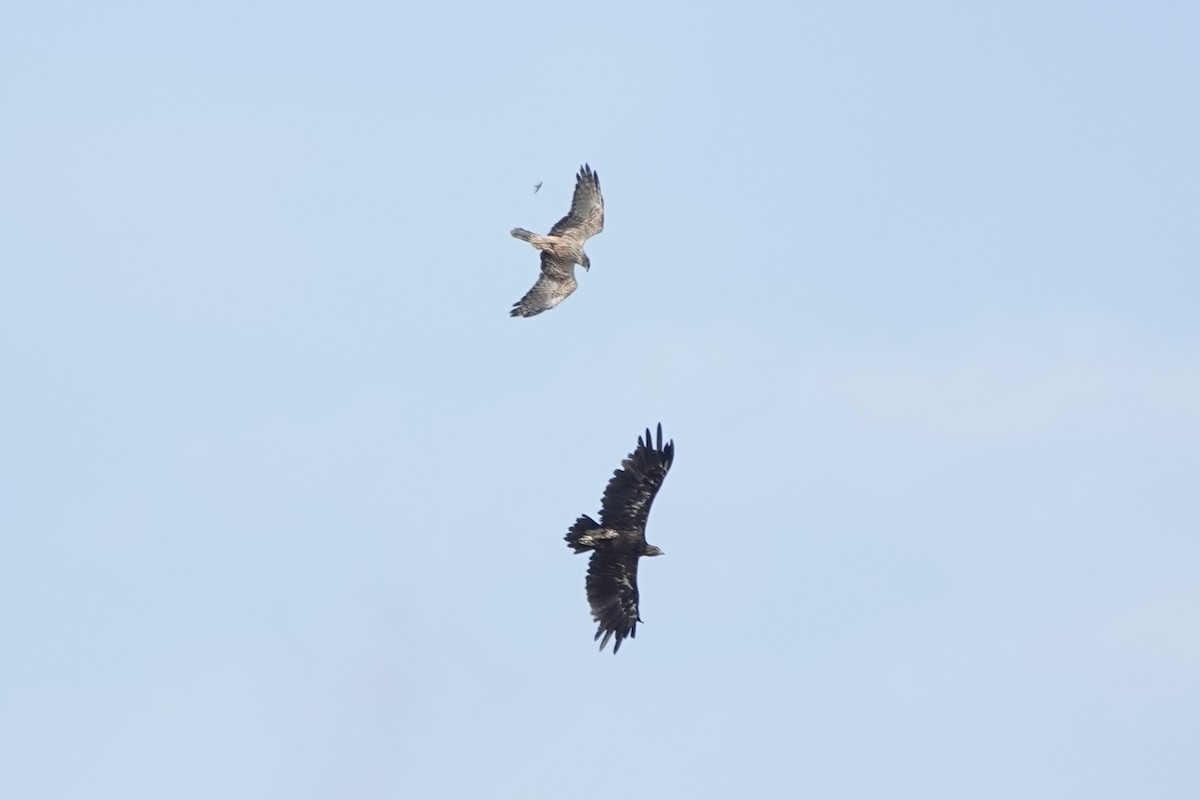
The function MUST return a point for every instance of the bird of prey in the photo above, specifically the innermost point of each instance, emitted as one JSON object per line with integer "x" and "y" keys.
{"x": 618, "y": 540}
{"x": 537, "y": 186}
{"x": 562, "y": 248}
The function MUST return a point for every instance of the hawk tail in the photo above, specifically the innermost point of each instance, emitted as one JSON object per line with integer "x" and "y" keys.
{"x": 579, "y": 537}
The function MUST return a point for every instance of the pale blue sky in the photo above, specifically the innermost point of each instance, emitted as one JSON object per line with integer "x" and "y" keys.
{"x": 915, "y": 288}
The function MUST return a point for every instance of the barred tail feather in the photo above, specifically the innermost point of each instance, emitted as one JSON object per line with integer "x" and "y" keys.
{"x": 580, "y": 537}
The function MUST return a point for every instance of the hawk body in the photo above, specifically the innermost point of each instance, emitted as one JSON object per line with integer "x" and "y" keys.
{"x": 562, "y": 247}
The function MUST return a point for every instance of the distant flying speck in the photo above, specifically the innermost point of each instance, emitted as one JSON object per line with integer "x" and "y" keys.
{"x": 537, "y": 186}
{"x": 562, "y": 248}
{"x": 618, "y": 540}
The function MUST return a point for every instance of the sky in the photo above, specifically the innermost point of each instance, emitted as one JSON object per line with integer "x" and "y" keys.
{"x": 914, "y": 288}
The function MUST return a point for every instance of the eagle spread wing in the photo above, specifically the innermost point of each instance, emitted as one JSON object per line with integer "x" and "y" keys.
{"x": 586, "y": 217}
{"x": 631, "y": 490}
{"x": 613, "y": 595}
{"x": 553, "y": 286}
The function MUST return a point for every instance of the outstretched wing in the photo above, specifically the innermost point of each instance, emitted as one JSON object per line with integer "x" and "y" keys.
{"x": 613, "y": 595}
{"x": 587, "y": 209}
{"x": 631, "y": 490}
{"x": 553, "y": 286}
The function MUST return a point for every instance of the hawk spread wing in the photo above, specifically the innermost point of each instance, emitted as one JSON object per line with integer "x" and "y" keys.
{"x": 586, "y": 217}
{"x": 553, "y": 286}
{"x": 631, "y": 490}
{"x": 613, "y": 595}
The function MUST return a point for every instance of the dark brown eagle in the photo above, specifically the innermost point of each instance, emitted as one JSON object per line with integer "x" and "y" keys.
{"x": 618, "y": 540}
{"x": 562, "y": 248}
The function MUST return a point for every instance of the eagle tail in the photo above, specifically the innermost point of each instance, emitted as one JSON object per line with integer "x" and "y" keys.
{"x": 580, "y": 537}
{"x": 523, "y": 235}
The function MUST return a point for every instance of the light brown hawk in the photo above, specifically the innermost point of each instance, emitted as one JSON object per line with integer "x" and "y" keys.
{"x": 562, "y": 248}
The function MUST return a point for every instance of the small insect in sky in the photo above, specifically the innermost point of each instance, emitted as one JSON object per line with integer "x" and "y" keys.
{"x": 537, "y": 186}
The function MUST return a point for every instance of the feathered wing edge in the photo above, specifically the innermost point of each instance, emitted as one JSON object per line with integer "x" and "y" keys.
{"x": 613, "y": 596}
{"x": 586, "y": 217}
{"x": 555, "y": 284}
{"x": 632, "y": 488}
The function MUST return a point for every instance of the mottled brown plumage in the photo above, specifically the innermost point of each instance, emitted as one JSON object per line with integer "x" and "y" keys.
{"x": 562, "y": 248}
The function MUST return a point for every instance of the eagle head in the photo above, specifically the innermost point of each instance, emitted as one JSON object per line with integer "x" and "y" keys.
{"x": 651, "y": 550}
{"x": 586, "y": 262}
